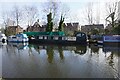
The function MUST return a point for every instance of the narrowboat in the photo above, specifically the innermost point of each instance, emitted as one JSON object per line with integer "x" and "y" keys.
{"x": 56, "y": 38}
{"x": 18, "y": 38}
{"x": 111, "y": 40}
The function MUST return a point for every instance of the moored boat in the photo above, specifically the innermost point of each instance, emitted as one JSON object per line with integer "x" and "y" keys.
{"x": 99, "y": 42}
{"x": 111, "y": 39}
{"x": 56, "y": 38}
{"x": 18, "y": 38}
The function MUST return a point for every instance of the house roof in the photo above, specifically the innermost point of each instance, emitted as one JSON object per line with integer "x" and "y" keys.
{"x": 36, "y": 24}
{"x": 75, "y": 24}
{"x": 69, "y": 24}
{"x": 95, "y": 25}
{"x": 15, "y": 27}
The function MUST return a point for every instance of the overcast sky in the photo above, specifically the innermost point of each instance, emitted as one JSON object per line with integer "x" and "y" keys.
{"x": 57, "y": 0}
{"x": 77, "y": 8}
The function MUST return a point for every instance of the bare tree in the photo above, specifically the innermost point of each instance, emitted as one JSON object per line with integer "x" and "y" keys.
{"x": 89, "y": 13}
{"x": 111, "y": 13}
{"x": 5, "y": 17}
{"x": 92, "y": 13}
{"x": 64, "y": 10}
{"x": 31, "y": 14}
{"x": 56, "y": 8}
{"x": 17, "y": 14}
{"x": 97, "y": 18}
{"x": 7, "y": 21}
{"x": 53, "y": 7}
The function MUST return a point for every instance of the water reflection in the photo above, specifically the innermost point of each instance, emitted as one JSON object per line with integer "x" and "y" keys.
{"x": 94, "y": 48}
{"x": 19, "y": 46}
{"x": 44, "y": 61}
{"x": 113, "y": 56}
{"x": 50, "y": 50}
{"x": 60, "y": 50}
{"x": 2, "y": 44}
{"x": 110, "y": 59}
{"x": 81, "y": 50}
{"x": 111, "y": 49}
{"x": 50, "y": 53}
{"x": 36, "y": 48}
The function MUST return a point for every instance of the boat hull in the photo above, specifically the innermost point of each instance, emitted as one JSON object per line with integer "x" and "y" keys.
{"x": 111, "y": 39}
{"x": 58, "y": 40}
{"x": 18, "y": 38}
{"x": 18, "y": 41}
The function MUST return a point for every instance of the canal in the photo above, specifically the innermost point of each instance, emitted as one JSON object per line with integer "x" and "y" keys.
{"x": 52, "y": 61}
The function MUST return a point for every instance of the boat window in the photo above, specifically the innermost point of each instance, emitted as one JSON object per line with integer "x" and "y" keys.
{"x": 40, "y": 37}
{"x": 83, "y": 34}
{"x": 24, "y": 35}
{"x": 45, "y": 37}
{"x": 55, "y": 38}
{"x": 49, "y": 37}
{"x": 71, "y": 39}
{"x": 64, "y": 38}
{"x": 79, "y": 35}
{"x": 18, "y": 36}
{"x": 13, "y": 37}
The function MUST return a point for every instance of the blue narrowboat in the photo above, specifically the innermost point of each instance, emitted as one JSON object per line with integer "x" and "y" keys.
{"x": 111, "y": 39}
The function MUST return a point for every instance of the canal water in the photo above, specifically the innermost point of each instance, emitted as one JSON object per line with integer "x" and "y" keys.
{"x": 54, "y": 61}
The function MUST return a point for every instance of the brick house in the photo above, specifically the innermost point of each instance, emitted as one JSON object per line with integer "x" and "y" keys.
{"x": 70, "y": 28}
{"x": 89, "y": 28}
{"x": 11, "y": 30}
{"x": 36, "y": 28}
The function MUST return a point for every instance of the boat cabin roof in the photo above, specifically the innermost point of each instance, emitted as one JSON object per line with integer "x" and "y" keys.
{"x": 21, "y": 35}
